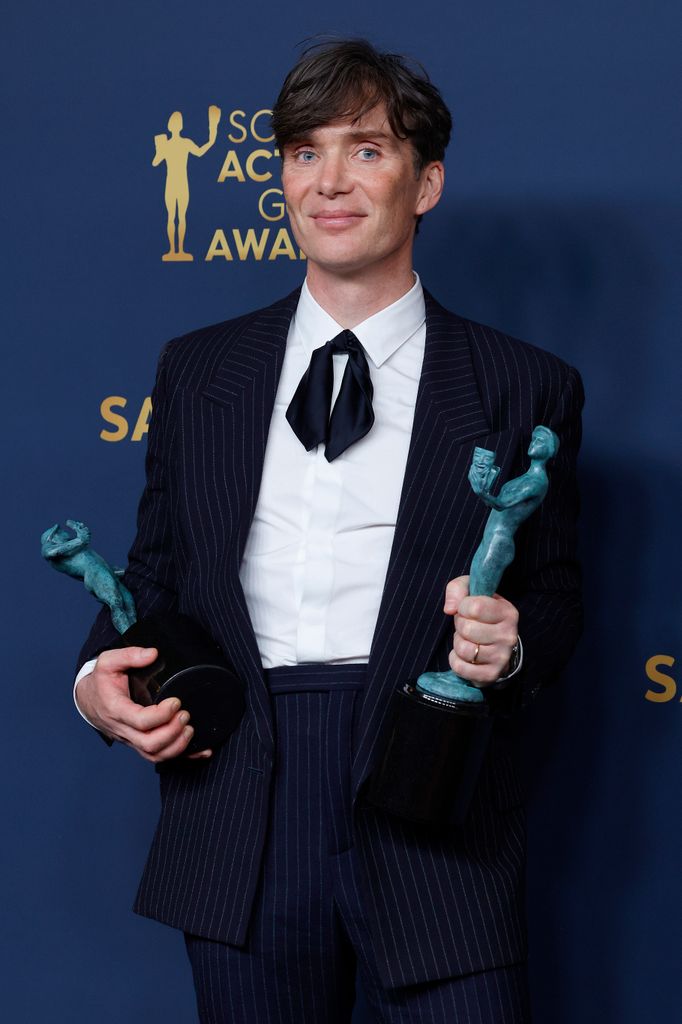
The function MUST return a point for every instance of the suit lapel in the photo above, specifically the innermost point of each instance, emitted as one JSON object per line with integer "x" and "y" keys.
{"x": 439, "y": 521}
{"x": 248, "y": 380}
{"x": 241, "y": 391}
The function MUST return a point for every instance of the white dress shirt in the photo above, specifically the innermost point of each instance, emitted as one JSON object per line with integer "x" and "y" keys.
{"x": 316, "y": 556}
{"x": 315, "y": 560}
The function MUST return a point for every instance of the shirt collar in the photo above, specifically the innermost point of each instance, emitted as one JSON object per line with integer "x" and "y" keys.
{"x": 380, "y": 334}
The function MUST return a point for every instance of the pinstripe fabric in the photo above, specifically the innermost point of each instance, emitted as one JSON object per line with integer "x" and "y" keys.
{"x": 309, "y": 926}
{"x": 492, "y": 997}
{"x": 296, "y": 964}
{"x": 440, "y": 904}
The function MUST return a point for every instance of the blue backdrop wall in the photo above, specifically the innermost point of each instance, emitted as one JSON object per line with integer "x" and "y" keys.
{"x": 561, "y": 225}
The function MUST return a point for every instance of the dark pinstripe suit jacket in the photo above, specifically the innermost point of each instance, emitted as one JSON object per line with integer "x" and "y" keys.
{"x": 438, "y": 904}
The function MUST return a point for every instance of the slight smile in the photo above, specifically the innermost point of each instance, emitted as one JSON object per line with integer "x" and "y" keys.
{"x": 337, "y": 218}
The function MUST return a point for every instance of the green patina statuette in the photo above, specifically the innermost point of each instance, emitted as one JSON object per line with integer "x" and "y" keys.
{"x": 517, "y": 500}
{"x": 69, "y": 551}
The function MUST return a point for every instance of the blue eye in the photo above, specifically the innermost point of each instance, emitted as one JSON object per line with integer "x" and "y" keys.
{"x": 368, "y": 154}
{"x": 303, "y": 155}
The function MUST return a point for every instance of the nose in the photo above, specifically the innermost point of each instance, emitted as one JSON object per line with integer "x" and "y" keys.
{"x": 334, "y": 178}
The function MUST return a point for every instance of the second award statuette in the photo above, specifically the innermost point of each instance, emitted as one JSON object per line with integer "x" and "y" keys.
{"x": 439, "y": 724}
{"x": 189, "y": 666}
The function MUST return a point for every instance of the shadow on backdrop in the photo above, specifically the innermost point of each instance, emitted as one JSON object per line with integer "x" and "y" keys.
{"x": 582, "y": 280}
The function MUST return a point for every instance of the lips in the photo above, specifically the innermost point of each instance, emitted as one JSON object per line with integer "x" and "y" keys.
{"x": 338, "y": 220}
{"x": 337, "y": 215}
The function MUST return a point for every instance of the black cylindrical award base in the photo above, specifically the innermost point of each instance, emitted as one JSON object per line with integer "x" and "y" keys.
{"x": 432, "y": 757}
{"x": 191, "y": 667}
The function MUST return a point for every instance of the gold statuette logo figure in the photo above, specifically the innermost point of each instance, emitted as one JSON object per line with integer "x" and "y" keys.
{"x": 175, "y": 151}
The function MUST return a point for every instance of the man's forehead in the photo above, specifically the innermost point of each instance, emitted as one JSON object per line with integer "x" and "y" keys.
{"x": 374, "y": 122}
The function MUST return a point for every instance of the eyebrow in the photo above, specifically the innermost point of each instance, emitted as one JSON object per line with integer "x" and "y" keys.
{"x": 355, "y": 136}
{"x": 369, "y": 132}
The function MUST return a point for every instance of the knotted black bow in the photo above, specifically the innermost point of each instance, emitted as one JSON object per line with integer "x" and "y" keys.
{"x": 352, "y": 416}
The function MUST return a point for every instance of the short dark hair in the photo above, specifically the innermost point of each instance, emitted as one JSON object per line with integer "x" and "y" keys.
{"x": 347, "y": 78}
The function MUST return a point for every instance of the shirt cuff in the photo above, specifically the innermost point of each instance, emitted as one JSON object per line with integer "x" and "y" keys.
{"x": 85, "y": 671}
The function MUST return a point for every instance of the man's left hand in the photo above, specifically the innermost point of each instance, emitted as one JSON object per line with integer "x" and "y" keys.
{"x": 486, "y": 630}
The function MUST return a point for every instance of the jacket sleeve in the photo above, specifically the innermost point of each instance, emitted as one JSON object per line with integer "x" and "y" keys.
{"x": 150, "y": 575}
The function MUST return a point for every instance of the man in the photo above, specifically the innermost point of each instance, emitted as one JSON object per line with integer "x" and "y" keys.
{"x": 327, "y": 555}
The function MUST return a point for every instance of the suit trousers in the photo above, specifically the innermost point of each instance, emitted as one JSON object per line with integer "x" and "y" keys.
{"x": 308, "y": 935}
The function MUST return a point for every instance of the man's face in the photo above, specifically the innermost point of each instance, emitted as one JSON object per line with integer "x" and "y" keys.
{"x": 352, "y": 194}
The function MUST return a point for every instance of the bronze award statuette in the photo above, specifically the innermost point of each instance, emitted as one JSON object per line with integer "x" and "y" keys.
{"x": 189, "y": 666}
{"x": 439, "y": 724}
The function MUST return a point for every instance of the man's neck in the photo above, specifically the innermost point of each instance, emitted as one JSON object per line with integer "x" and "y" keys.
{"x": 351, "y": 300}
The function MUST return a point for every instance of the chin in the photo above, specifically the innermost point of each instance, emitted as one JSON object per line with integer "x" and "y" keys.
{"x": 339, "y": 258}
{"x": 340, "y": 267}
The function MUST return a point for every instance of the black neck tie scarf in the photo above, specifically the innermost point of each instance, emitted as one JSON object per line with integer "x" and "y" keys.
{"x": 352, "y": 416}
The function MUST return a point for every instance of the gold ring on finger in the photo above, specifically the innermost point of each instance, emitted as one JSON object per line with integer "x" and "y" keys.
{"x": 476, "y": 654}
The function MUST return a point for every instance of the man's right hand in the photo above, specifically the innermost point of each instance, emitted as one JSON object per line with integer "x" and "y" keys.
{"x": 158, "y": 732}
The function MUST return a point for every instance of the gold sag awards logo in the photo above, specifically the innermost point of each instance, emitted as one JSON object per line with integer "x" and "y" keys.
{"x": 119, "y": 427}
{"x": 248, "y": 158}
{"x": 239, "y": 166}
{"x": 666, "y": 687}
{"x": 175, "y": 152}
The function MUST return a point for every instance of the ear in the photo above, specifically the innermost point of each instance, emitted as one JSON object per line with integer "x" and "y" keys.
{"x": 432, "y": 180}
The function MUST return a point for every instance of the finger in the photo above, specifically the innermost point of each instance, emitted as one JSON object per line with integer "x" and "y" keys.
{"x": 110, "y": 703}
{"x": 494, "y": 655}
{"x": 173, "y": 749}
{"x": 120, "y": 660}
{"x": 200, "y": 754}
{"x": 455, "y": 591}
{"x": 144, "y": 719}
{"x": 479, "y": 632}
{"x": 156, "y": 740}
{"x": 487, "y": 609}
{"x": 473, "y": 653}
{"x": 477, "y": 675}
